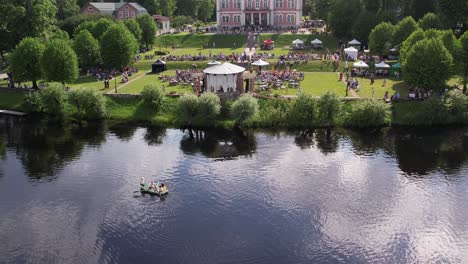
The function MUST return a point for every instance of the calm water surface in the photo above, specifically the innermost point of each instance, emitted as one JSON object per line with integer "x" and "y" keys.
{"x": 67, "y": 195}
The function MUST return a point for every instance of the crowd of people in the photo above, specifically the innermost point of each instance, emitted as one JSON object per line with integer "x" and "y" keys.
{"x": 105, "y": 75}
{"x": 276, "y": 79}
{"x": 181, "y": 77}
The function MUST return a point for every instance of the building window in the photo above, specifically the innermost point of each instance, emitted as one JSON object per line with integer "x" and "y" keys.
{"x": 291, "y": 18}
{"x": 224, "y": 3}
{"x": 278, "y": 19}
{"x": 120, "y": 14}
{"x": 291, "y": 4}
{"x": 133, "y": 13}
{"x": 225, "y": 19}
{"x": 257, "y": 4}
{"x": 237, "y": 3}
{"x": 249, "y": 3}
{"x": 265, "y": 4}
{"x": 279, "y": 3}
{"x": 127, "y": 14}
{"x": 236, "y": 18}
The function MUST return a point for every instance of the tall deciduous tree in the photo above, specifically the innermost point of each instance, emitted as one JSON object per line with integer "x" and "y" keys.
{"x": 100, "y": 27}
{"x": 133, "y": 26}
{"x": 453, "y": 12}
{"x": 430, "y": 21}
{"x": 118, "y": 46}
{"x": 87, "y": 49}
{"x": 342, "y": 17}
{"x": 148, "y": 28}
{"x": 59, "y": 62}
{"x": 410, "y": 42}
{"x": 381, "y": 37}
{"x": 168, "y": 7}
{"x": 428, "y": 64}
{"x": 67, "y": 8}
{"x": 205, "y": 13}
{"x": 404, "y": 29}
{"x": 364, "y": 24}
{"x": 464, "y": 59}
{"x": 25, "y": 60}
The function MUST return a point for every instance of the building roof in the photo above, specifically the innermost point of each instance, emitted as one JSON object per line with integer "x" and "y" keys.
{"x": 110, "y": 8}
{"x": 161, "y": 18}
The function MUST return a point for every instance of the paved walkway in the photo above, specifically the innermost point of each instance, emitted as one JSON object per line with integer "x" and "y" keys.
{"x": 129, "y": 82}
{"x": 350, "y": 91}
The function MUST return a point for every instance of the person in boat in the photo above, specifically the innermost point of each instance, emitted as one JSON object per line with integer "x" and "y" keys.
{"x": 142, "y": 181}
{"x": 153, "y": 186}
{"x": 162, "y": 188}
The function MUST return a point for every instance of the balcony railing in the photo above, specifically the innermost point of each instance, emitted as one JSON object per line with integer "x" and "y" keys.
{"x": 252, "y": 8}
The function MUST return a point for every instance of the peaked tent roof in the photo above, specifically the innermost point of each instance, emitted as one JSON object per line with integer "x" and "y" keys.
{"x": 382, "y": 64}
{"x": 354, "y": 42}
{"x": 225, "y": 68}
{"x": 159, "y": 62}
{"x": 350, "y": 49}
{"x": 298, "y": 41}
{"x": 260, "y": 62}
{"x": 360, "y": 64}
{"x": 316, "y": 41}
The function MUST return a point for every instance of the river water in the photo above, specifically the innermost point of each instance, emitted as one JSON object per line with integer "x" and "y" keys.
{"x": 69, "y": 194}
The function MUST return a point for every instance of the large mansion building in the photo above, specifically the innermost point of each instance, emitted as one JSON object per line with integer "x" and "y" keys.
{"x": 274, "y": 13}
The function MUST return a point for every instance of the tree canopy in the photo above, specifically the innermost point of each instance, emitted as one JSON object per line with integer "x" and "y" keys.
{"x": 430, "y": 21}
{"x": 118, "y": 46}
{"x": 381, "y": 37}
{"x": 87, "y": 49}
{"x": 148, "y": 28}
{"x": 25, "y": 60}
{"x": 404, "y": 29}
{"x": 59, "y": 62}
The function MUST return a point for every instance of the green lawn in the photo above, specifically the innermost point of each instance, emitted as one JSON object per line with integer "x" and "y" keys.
{"x": 316, "y": 84}
{"x": 137, "y": 86}
{"x": 200, "y": 40}
{"x": 12, "y": 101}
{"x": 286, "y": 39}
{"x": 89, "y": 82}
{"x": 391, "y": 86}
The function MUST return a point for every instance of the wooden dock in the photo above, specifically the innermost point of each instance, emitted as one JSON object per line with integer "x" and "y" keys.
{"x": 14, "y": 113}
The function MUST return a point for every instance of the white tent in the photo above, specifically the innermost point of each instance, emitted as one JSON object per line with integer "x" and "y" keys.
{"x": 360, "y": 64}
{"x": 298, "y": 42}
{"x": 260, "y": 62}
{"x": 213, "y": 62}
{"x": 223, "y": 76}
{"x": 351, "y": 52}
{"x": 354, "y": 42}
{"x": 382, "y": 65}
{"x": 316, "y": 42}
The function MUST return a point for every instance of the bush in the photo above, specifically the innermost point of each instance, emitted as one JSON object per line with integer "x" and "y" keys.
{"x": 89, "y": 104}
{"x": 53, "y": 99}
{"x": 329, "y": 106}
{"x": 368, "y": 113}
{"x": 161, "y": 52}
{"x": 457, "y": 104}
{"x": 244, "y": 109}
{"x": 274, "y": 113}
{"x": 304, "y": 112}
{"x": 187, "y": 108}
{"x": 33, "y": 103}
{"x": 152, "y": 96}
{"x": 435, "y": 111}
{"x": 209, "y": 107}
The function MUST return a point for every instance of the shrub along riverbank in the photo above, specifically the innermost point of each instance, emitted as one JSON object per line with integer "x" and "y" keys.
{"x": 304, "y": 112}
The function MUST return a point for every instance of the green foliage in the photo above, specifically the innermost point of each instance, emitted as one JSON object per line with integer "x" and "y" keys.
{"x": 464, "y": 57}
{"x": 364, "y": 24}
{"x": 209, "y": 107}
{"x": 368, "y": 113}
{"x": 304, "y": 112}
{"x": 66, "y": 8}
{"x": 427, "y": 64}
{"x": 133, "y": 26}
{"x": 100, "y": 27}
{"x": 187, "y": 108}
{"x": 152, "y": 96}
{"x": 244, "y": 109}
{"x": 25, "y": 60}
{"x": 53, "y": 99}
{"x": 329, "y": 106}
{"x": 33, "y": 103}
{"x": 404, "y": 29}
{"x": 410, "y": 42}
{"x": 457, "y": 105}
{"x": 180, "y": 21}
{"x": 273, "y": 113}
{"x": 72, "y": 23}
{"x": 118, "y": 46}
{"x": 87, "y": 49}
{"x": 89, "y": 104}
{"x": 148, "y": 28}
{"x": 86, "y": 25}
{"x": 380, "y": 38}
{"x": 59, "y": 62}
{"x": 430, "y": 21}
{"x": 342, "y": 16}
{"x": 167, "y": 7}
{"x": 206, "y": 10}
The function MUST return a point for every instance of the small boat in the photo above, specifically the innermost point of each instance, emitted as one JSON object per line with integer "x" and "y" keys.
{"x": 145, "y": 188}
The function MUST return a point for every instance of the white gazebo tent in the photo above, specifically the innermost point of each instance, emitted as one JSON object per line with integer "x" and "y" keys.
{"x": 316, "y": 43}
{"x": 382, "y": 65}
{"x": 213, "y": 62}
{"x": 298, "y": 42}
{"x": 224, "y": 76}
{"x": 360, "y": 64}
{"x": 354, "y": 42}
{"x": 351, "y": 53}
{"x": 260, "y": 63}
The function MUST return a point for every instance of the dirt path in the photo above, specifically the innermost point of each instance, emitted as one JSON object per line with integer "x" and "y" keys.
{"x": 123, "y": 85}
{"x": 350, "y": 91}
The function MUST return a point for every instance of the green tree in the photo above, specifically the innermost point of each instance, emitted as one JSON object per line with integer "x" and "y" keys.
{"x": 153, "y": 97}
{"x": 59, "y": 62}
{"x": 453, "y": 12}
{"x": 86, "y": 25}
{"x": 244, "y": 109}
{"x": 380, "y": 38}
{"x": 404, "y": 29}
{"x": 152, "y": 6}
{"x": 25, "y": 61}
{"x": 323, "y": 8}
{"x": 304, "y": 111}
{"x": 148, "y": 28}
{"x": 187, "y": 8}
{"x": 53, "y": 99}
{"x": 464, "y": 59}
{"x": 329, "y": 106}
{"x": 363, "y": 25}
{"x": 209, "y": 107}
{"x": 118, "y": 46}
{"x": 67, "y": 8}
{"x": 187, "y": 108}
{"x": 87, "y": 49}
{"x": 100, "y": 27}
{"x": 89, "y": 104}
{"x": 342, "y": 16}
{"x": 410, "y": 42}
{"x": 205, "y": 13}
{"x": 368, "y": 113}
{"x": 168, "y": 7}
{"x": 428, "y": 64}
{"x": 133, "y": 26}
{"x": 430, "y": 21}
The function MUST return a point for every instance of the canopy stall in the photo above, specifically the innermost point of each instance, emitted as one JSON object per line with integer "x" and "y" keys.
{"x": 158, "y": 66}
{"x": 224, "y": 77}
{"x": 351, "y": 53}
{"x": 354, "y": 42}
{"x": 298, "y": 44}
{"x": 317, "y": 43}
{"x": 260, "y": 63}
{"x": 396, "y": 66}
{"x": 268, "y": 44}
{"x": 360, "y": 64}
{"x": 382, "y": 65}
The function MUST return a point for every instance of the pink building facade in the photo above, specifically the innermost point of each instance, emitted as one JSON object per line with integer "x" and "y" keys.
{"x": 274, "y": 13}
